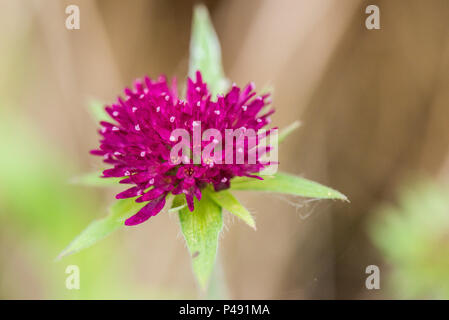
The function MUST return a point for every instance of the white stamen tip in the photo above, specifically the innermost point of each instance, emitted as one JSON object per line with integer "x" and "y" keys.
{"x": 224, "y": 180}
{"x": 244, "y": 108}
{"x": 172, "y": 119}
{"x": 143, "y": 153}
{"x": 127, "y": 173}
{"x": 158, "y": 109}
{"x": 167, "y": 98}
{"x": 151, "y": 181}
{"x": 217, "y": 112}
{"x": 137, "y": 127}
{"x": 172, "y": 138}
{"x": 115, "y": 129}
{"x": 134, "y": 109}
{"x": 115, "y": 113}
{"x": 198, "y": 104}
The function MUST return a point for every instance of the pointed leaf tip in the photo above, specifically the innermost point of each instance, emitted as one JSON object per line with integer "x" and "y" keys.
{"x": 99, "y": 229}
{"x": 97, "y": 111}
{"x": 227, "y": 201}
{"x": 288, "y": 184}
{"x": 205, "y": 51}
{"x": 284, "y": 133}
{"x": 94, "y": 179}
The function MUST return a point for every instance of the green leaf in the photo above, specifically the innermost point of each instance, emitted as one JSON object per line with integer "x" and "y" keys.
{"x": 205, "y": 51}
{"x": 284, "y": 133}
{"x": 178, "y": 203}
{"x": 288, "y": 184}
{"x": 99, "y": 229}
{"x": 97, "y": 111}
{"x": 227, "y": 201}
{"x": 94, "y": 179}
{"x": 217, "y": 290}
{"x": 200, "y": 229}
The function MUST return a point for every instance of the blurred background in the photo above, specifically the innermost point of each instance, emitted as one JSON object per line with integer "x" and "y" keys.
{"x": 374, "y": 107}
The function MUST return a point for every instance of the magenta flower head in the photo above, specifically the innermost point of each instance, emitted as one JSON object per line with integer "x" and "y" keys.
{"x": 148, "y": 141}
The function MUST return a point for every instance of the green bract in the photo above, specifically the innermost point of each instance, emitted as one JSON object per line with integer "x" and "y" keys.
{"x": 201, "y": 229}
{"x": 99, "y": 229}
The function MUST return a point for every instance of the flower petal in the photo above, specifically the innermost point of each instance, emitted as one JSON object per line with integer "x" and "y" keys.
{"x": 151, "y": 195}
{"x": 129, "y": 193}
{"x": 150, "y": 210}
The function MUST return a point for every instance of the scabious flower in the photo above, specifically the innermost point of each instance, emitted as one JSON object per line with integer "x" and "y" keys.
{"x": 138, "y": 142}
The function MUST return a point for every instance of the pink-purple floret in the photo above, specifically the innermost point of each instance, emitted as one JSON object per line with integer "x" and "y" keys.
{"x": 137, "y": 143}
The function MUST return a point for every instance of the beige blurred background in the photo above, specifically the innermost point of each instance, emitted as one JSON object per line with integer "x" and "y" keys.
{"x": 373, "y": 106}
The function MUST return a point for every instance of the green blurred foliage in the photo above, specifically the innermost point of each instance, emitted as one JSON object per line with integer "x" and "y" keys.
{"x": 413, "y": 237}
{"x": 40, "y": 212}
